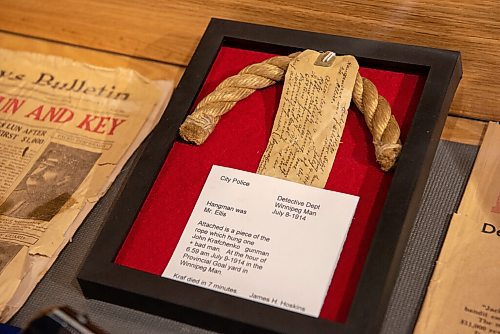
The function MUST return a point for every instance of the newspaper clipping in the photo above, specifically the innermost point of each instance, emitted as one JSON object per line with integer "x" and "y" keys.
{"x": 66, "y": 130}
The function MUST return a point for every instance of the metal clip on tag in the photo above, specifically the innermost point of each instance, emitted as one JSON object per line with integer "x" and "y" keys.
{"x": 325, "y": 59}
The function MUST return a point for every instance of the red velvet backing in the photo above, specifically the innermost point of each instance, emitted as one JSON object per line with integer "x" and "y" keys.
{"x": 238, "y": 142}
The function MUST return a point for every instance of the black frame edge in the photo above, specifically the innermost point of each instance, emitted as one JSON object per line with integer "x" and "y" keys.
{"x": 95, "y": 273}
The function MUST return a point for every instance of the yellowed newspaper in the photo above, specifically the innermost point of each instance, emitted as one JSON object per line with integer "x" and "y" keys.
{"x": 66, "y": 130}
{"x": 463, "y": 296}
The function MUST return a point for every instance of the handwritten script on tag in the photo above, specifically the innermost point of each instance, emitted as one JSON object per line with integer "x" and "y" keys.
{"x": 310, "y": 119}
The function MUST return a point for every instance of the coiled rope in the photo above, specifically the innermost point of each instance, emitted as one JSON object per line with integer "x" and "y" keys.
{"x": 375, "y": 108}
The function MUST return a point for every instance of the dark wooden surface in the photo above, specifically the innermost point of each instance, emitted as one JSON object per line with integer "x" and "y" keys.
{"x": 168, "y": 31}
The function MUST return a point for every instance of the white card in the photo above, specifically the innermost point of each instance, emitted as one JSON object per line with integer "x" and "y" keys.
{"x": 264, "y": 239}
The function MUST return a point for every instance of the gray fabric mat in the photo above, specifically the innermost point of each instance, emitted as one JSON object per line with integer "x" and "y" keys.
{"x": 449, "y": 175}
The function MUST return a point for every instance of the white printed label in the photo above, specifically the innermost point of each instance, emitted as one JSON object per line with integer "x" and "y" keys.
{"x": 264, "y": 239}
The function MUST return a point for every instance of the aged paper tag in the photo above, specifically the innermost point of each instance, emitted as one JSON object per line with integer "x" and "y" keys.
{"x": 310, "y": 119}
{"x": 463, "y": 296}
{"x": 248, "y": 234}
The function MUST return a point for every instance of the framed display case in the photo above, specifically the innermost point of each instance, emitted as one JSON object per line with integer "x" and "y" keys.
{"x": 142, "y": 230}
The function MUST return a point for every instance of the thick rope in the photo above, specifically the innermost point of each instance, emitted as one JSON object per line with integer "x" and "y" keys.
{"x": 375, "y": 108}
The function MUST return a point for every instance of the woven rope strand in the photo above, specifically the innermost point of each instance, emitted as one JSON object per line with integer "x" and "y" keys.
{"x": 375, "y": 108}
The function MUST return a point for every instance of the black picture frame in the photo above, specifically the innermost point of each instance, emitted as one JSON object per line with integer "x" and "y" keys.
{"x": 100, "y": 278}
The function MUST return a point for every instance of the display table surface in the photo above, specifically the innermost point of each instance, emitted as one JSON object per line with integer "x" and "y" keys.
{"x": 447, "y": 181}
{"x": 168, "y": 31}
{"x": 158, "y": 40}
